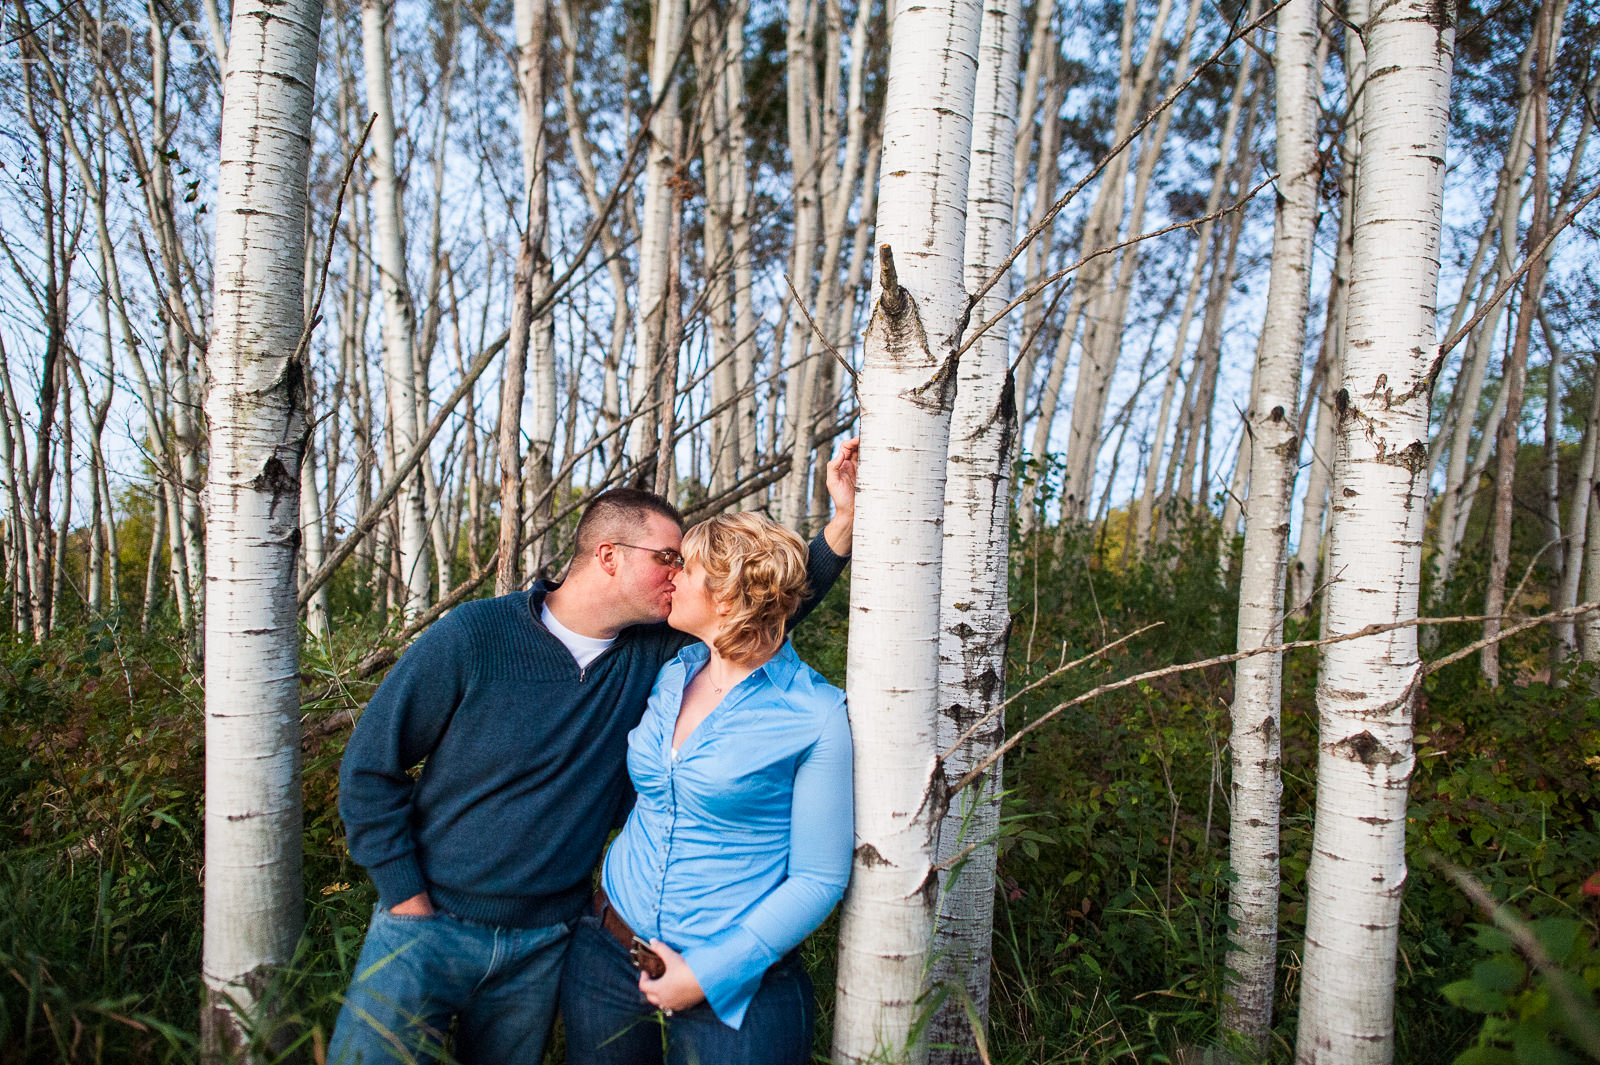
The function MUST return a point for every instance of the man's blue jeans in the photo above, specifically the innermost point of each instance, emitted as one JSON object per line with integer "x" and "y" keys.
{"x": 608, "y": 1021}
{"x": 416, "y": 973}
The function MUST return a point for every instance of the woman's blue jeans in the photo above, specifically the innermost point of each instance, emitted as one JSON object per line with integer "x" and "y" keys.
{"x": 609, "y": 1022}
{"x": 417, "y": 973}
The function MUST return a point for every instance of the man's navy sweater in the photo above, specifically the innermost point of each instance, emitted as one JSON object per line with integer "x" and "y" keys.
{"x": 525, "y": 771}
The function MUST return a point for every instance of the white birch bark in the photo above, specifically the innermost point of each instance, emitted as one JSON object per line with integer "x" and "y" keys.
{"x": 744, "y": 318}
{"x": 256, "y": 409}
{"x": 1106, "y": 304}
{"x": 1273, "y": 455}
{"x": 655, "y": 223}
{"x": 1508, "y": 432}
{"x": 1366, "y": 689}
{"x": 800, "y": 384}
{"x": 1319, "y": 474}
{"x": 532, "y": 26}
{"x": 1227, "y": 151}
{"x": 312, "y": 540}
{"x": 400, "y": 383}
{"x": 905, "y": 391}
{"x": 1580, "y": 536}
{"x": 974, "y": 607}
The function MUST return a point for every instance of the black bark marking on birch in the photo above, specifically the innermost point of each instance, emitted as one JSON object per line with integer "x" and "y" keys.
{"x": 1442, "y": 16}
{"x": 1365, "y": 748}
{"x": 1006, "y": 418}
{"x": 1341, "y": 402}
{"x": 868, "y": 856}
{"x": 1413, "y": 457}
{"x": 939, "y": 392}
{"x": 224, "y": 1034}
{"x": 988, "y": 684}
{"x": 1276, "y": 415}
{"x": 893, "y": 297}
{"x": 936, "y": 800}
{"x": 275, "y": 479}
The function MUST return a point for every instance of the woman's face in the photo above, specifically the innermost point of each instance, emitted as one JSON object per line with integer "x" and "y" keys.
{"x": 693, "y": 609}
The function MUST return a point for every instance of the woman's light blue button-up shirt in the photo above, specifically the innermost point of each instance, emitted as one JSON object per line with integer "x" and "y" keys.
{"x": 740, "y": 846}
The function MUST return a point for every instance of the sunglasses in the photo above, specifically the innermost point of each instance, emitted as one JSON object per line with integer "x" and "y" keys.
{"x": 664, "y": 556}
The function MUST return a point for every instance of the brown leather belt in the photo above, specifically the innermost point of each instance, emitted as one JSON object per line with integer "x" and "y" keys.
{"x": 639, "y": 951}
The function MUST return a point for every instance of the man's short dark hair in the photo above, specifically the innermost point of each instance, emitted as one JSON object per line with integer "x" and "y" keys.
{"x": 617, "y": 513}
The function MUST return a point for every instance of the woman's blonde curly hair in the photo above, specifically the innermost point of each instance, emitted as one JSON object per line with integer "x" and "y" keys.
{"x": 755, "y": 567}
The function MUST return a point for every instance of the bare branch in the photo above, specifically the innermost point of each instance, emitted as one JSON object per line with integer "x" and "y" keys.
{"x": 978, "y": 770}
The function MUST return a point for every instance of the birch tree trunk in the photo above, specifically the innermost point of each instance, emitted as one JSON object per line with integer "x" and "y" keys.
{"x": 800, "y": 384}
{"x": 399, "y": 315}
{"x": 1507, "y": 432}
{"x": 1274, "y": 452}
{"x": 651, "y": 314}
{"x": 1578, "y": 530}
{"x": 906, "y": 390}
{"x": 1455, "y": 502}
{"x": 975, "y": 617}
{"x": 1105, "y": 307}
{"x": 1319, "y": 475}
{"x": 256, "y": 409}
{"x": 533, "y": 32}
{"x": 1226, "y": 152}
{"x": 1366, "y": 689}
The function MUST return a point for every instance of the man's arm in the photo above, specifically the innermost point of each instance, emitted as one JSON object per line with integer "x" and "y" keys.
{"x": 400, "y": 727}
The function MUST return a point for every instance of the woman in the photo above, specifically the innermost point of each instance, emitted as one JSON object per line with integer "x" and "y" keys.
{"x": 739, "y": 843}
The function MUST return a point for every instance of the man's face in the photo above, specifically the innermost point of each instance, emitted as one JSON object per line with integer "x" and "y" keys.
{"x": 644, "y": 582}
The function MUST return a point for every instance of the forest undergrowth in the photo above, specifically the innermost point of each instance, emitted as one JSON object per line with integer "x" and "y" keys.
{"x": 1111, "y": 903}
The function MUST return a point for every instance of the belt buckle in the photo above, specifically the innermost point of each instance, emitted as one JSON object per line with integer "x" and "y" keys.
{"x": 645, "y": 959}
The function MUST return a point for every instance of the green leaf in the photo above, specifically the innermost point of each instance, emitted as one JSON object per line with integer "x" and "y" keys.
{"x": 1501, "y": 973}
{"x": 1533, "y": 1047}
{"x": 1557, "y": 935}
{"x": 1470, "y": 995}
{"x": 1485, "y": 1055}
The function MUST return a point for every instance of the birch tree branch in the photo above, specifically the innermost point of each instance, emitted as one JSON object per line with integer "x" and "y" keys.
{"x": 1511, "y": 279}
{"x": 1579, "y": 1015}
{"x": 978, "y": 770}
{"x": 1116, "y": 150}
{"x": 403, "y": 468}
{"x": 1044, "y": 283}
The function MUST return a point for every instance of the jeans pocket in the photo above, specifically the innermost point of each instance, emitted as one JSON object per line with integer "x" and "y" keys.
{"x": 411, "y": 918}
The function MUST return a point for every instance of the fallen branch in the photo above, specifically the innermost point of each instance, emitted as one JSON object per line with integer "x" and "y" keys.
{"x": 978, "y": 770}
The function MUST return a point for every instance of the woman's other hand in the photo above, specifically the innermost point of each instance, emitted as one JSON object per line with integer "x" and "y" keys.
{"x": 677, "y": 988}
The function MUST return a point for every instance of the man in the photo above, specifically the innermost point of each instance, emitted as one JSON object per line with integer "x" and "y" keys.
{"x": 519, "y": 707}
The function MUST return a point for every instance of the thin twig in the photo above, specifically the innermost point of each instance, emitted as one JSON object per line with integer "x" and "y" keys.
{"x": 1511, "y": 279}
{"x": 1578, "y": 1014}
{"x": 798, "y": 302}
{"x": 1116, "y": 150}
{"x": 1041, "y": 285}
{"x": 315, "y": 317}
{"x": 1046, "y": 679}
